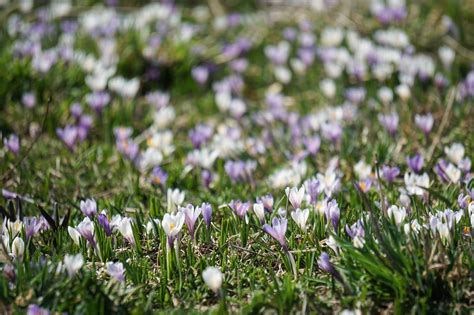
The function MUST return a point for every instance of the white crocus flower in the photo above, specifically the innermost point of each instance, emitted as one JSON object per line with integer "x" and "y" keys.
{"x": 172, "y": 224}
{"x": 213, "y": 278}
{"x": 398, "y": 214}
{"x": 455, "y": 152}
{"x": 415, "y": 183}
{"x": 175, "y": 198}
{"x": 295, "y": 196}
{"x": 259, "y": 210}
{"x": 125, "y": 228}
{"x": 18, "y": 248}
{"x": 74, "y": 234}
{"x": 73, "y": 263}
{"x": 362, "y": 170}
{"x": 300, "y": 217}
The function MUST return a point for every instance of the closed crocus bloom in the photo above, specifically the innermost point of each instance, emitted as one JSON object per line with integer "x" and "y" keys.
{"x": 89, "y": 207}
{"x": 73, "y": 264}
{"x": 390, "y": 173}
{"x": 415, "y": 163}
{"x": 74, "y": 234}
{"x": 190, "y": 217}
{"x": 172, "y": 224}
{"x": 295, "y": 196}
{"x": 325, "y": 264}
{"x": 240, "y": 208}
{"x": 115, "y": 270}
{"x": 125, "y": 228}
{"x": 86, "y": 229}
{"x": 213, "y": 278}
{"x": 398, "y": 214}
{"x": 300, "y": 217}
{"x": 18, "y": 248}
{"x": 259, "y": 211}
{"x": 333, "y": 213}
{"x": 206, "y": 209}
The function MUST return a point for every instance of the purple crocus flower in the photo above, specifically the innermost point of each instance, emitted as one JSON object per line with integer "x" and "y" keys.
{"x": 104, "y": 222}
{"x": 116, "y": 270}
{"x": 312, "y": 144}
{"x": 28, "y": 99}
{"x": 355, "y": 230}
{"x": 240, "y": 171}
{"x": 206, "y": 178}
{"x": 332, "y": 132}
{"x": 86, "y": 229}
{"x": 122, "y": 133}
{"x": 390, "y": 173}
{"x": 200, "y": 74}
{"x": 440, "y": 169}
{"x": 415, "y": 163}
{"x": 206, "y": 210}
{"x": 83, "y": 127}
{"x": 277, "y": 231}
{"x": 200, "y": 135}
{"x": 313, "y": 189}
{"x": 34, "y": 309}
{"x": 76, "y": 110}
{"x": 325, "y": 264}
{"x": 12, "y": 143}
{"x": 333, "y": 213}
{"x": 267, "y": 201}
{"x": 158, "y": 176}
{"x": 190, "y": 217}
{"x": 424, "y": 122}
{"x": 68, "y": 135}
{"x": 389, "y": 122}
{"x": 355, "y": 95}
{"x": 89, "y": 207}
{"x": 32, "y": 227}
{"x": 463, "y": 200}
{"x": 98, "y": 100}
{"x": 240, "y": 208}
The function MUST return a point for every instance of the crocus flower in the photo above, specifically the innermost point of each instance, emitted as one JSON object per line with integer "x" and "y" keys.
{"x": 295, "y": 196}
{"x": 74, "y": 234}
{"x": 325, "y": 264}
{"x": 89, "y": 207}
{"x": 277, "y": 231}
{"x": 73, "y": 264}
{"x": 415, "y": 163}
{"x": 172, "y": 224}
{"x": 68, "y": 135}
{"x": 424, "y": 122}
{"x": 86, "y": 229}
{"x": 32, "y": 227}
{"x": 125, "y": 228}
{"x": 115, "y": 270}
{"x": 206, "y": 210}
{"x": 175, "y": 198}
{"x": 240, "y": 208}
{"x": 200, "y": 74}
{"x": 300, "y": 217}
{"x": 18, "y": 248}
{"x": 390, "y": 173}
{"x": 191, "y": 215}
{"x": 259, "y": 211}
{"x": 98, "y": 100}
{"x": 34, "y": 309}
{"x": 398, "y": 214}
{"x": 158, "y": 176}
{"x": 104, "y": 222}
{"x": 12, "y": 143}
{"x": 455, "y": 152}
{"x": 333, "y": 213}
{"x": 213, "y": 278}
{"x": 389, "y": 122}
{"x": 267, "y": 202}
